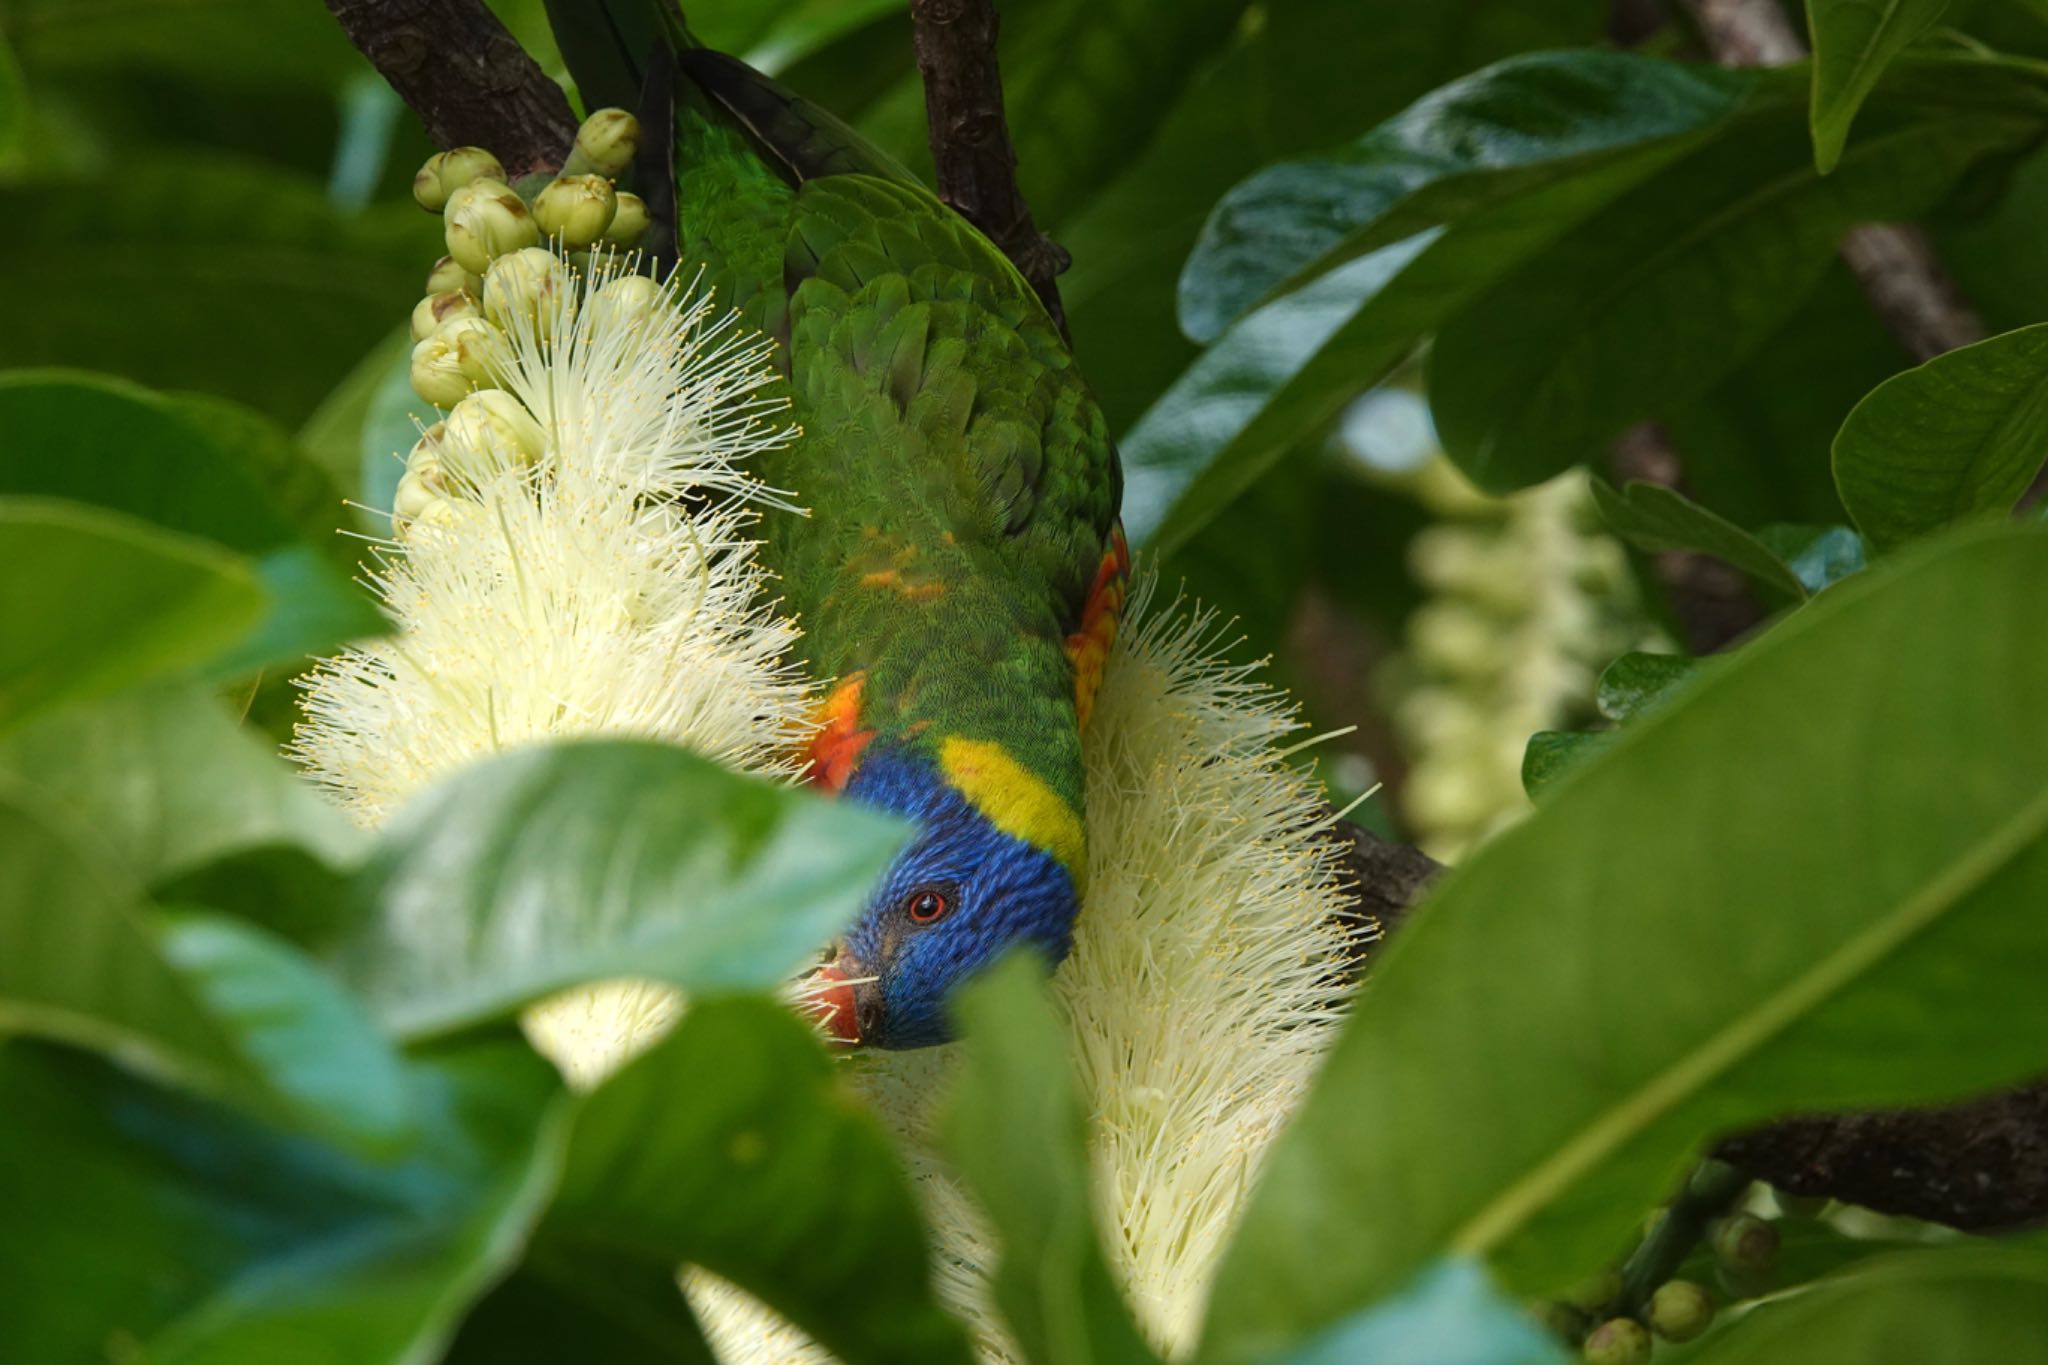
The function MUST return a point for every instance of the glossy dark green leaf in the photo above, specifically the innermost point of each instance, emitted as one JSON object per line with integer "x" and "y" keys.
{"x": 147, "y": 1224}
{"x": 549, "y": 866}
{"x": 1550, "y": 754}
{"x": 1711, "y": 963}
{"x": 1648, "y": 305}
{"x": 204, "y": 1002}
{"x": 734, "y": 1144}
{"x": 1499, "y": 132}
{"x": 1960, "y": 1305}
{"x": 1652, "y": 517}
{"x": 1014, "y": 1128}
{"x": 1450, "y": 1315}
{"x": 1961, "y": 436}
{"x": 201, "y": 467}
{"x": 112, "y": 602}
{"x": 1636, "y": 682}
{"x": 585, "y": 1304}
{"x": 1853, "y": 42}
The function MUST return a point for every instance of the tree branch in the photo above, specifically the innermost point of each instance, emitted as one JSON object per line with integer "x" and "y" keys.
{"x": 974, "y": 164}
{"x": 465, "y": 76}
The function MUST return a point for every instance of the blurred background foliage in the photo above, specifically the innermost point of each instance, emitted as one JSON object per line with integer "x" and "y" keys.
{"x": 210, "y": 196}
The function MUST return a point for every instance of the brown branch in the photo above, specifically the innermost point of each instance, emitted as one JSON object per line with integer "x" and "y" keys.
{"x": 974, "y": 164}
{"x": 467, "y": 79}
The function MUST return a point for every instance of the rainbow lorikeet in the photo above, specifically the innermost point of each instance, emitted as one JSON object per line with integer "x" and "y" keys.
{"x": 959, "y": 576}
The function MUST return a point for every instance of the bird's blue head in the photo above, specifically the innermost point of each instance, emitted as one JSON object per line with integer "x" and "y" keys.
{"x": 980, "y": 876}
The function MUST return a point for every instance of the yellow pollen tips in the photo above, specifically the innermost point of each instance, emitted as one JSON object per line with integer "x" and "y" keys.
{"x": 1013, "y": 799}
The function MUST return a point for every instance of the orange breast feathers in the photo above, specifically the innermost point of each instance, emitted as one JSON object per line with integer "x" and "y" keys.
{"x": 1088, "y": 647}
{"x": 835, "y": 748}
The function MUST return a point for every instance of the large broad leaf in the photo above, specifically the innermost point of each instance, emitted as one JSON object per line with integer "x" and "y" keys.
{"x": 233, "y": 279}
{"x": 1516, "y": 125}
{"x": 1450, "y": 1315}
{"x": 1812, "y": 880}
{"x": 1956, "y": 1306}
{"x": 111, "y": 602}
{"x": 1960, "y": 436}
{"x": 240, "y": 42}
{"x": 550, "y": 866}
{"x": 734, "y": 1144}
{"x": 212, "y": 1004}
{"x": 1014, "y": 1128}
{"x": 1648, "y": 305}
{"x": 1652, "y": 517}
{"x": 588, "y": 1304}
{"x": 1853, "y": 42}
{"x": 201, "y": 467}
{"x": 150, "y": 1225}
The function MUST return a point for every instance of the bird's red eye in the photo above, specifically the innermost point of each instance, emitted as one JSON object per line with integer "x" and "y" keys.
{"x": 927, "y": 905}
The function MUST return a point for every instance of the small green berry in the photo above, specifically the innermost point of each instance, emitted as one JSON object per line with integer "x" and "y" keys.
{"x": 1595, "y": 1292}
{"x": 1745, "y": 1243}
{"x": 1680, "y": 1310}
{"x": 1617, "y": 1341}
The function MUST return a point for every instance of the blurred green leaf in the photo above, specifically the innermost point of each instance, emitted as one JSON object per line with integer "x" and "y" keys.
{"x": 167, "y": 782}
{"x": 13, "y": 104}
{"x": 1709, "y": 962}
{"x": 734, "y": 1144}
{"x": 1515, "y": 126}
{"x": 549, "y": 866}
{"x": 1550, "y": 754}
{"x": 1555, "y": 359}
{"x": 202, "y": 467}
{"x": 112, "y": 602}
{"x": 1853, "y": 42}
{"x": 1652, "y": 517}
{"x": 1961, "y": 436}
{"x": 1636, "y": 682}
{"x": 590, "y": 1304}
{"x": 203, "y": 1002}
{"x": 1450, "y": 1315}
{"x": 144, "y": 1223}
{"x": 1027, "y": 1162}
{"x": 1961, "y": 1305}
{"x": 1819, "y": 556}
{"x": 251, "y": 43}
{"x": 335, "y": 435}
{"x": 211, "y": 275}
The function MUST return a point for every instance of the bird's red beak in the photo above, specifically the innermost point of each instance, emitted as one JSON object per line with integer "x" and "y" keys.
{"x": 829, "y": 994}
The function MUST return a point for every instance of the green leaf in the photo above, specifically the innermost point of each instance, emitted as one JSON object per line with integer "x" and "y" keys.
{"x": 1819, "y": 556}
{"x": 144, "y": 1223}
{"x": 550, "y": 866}
{"x": 1731, "y": 931}
{"x": 734, "y": 1144}
{"x": 1636, "y": 682}
{"x": 1450, "y": 1315}
{"x": 240, "y": 42}
{"x": 206, "y": 1003}
{"x": 167, "y": 782}
{"x": 13, "y": 105}
{"x": 1517, "y": 125}
{"x": 1961, "y": 436}
{"x": 112, "y": 602}
{"x": 1648, "y": 305}
{"x": 1014, "y": 1128}
{"x": 354, "y": 418}
{"x": 202, "y": 467}
{"x": 589, "y": 1304}
{"x": 1652, "y": 517}
{"x": 1956, "y": 1306}
{"x": 1853, "y": 42}
{"x": 1550, "y": 754}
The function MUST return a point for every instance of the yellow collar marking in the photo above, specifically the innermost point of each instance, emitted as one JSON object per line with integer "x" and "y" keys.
{"x": 1015, "y": 801}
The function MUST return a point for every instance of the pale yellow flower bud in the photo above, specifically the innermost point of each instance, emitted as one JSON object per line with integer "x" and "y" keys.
{"x": 416, "y": 491}
{"x": 465, "y": 165}
{"x": 629, "y": 220}
{"x": 432, "y": 511}
{"x": 522, "y": 286}
{"x": 627, "y": 300}
{"x": 427, "y": 189}
{"x": 485, "y": 219}
{"x": 453, "y": 361}
{"x": 576, "y": 209}
{"x": 487, "y": 432}
{"x": 605, "y": 144}
{"x": 436, "y": 311}
{"x": 448, "y": 274}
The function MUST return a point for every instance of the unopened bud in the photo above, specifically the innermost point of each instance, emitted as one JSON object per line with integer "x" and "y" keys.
{"x": 628, "y": 299}
{"x": 453, "y": 361}
{"x": 436, "y": 311}
{"x": 576, "y": 209}
{"x": 490, "y": 431}
{"x": 629, "y": 220}
{"x": 448, "y": 274}
{"x": 485, "y": 220}
{"x": 436, "y": 512}
{"x": 1745, "y": 1243}
{"x": 1617, "y": 1341}
{"x": 1680, "y": 1310}
{"x": 427, "y": 189}
{"x": 528, "y": 285}
{"x": 416, "y": 490}
{"x": 605, "y": 144}
{"x": 1559, "y": 1319}
{"x": 1595, "y": 1292}
{"x": 464, "y": 165}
